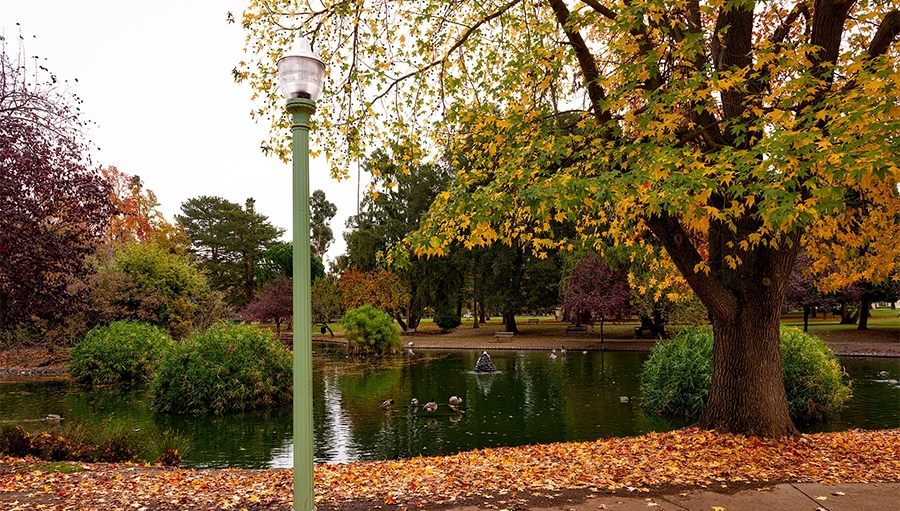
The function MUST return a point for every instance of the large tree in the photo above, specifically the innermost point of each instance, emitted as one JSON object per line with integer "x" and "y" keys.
{"x": 596, "y": 289}
{"x": 139, "y": 217}
{"x": 229, "y": 241}
{"x": 402, "y": 193}
{"x": 53, "y": 207}
{"x": 726, "y": 130}
{"x": 321, "y": 211}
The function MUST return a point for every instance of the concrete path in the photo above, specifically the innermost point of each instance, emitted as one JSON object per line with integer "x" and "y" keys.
{"x": 787, "y": 497}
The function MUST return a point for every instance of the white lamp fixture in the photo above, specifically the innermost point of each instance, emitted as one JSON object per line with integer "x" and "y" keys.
{"x": 301, "y": 73}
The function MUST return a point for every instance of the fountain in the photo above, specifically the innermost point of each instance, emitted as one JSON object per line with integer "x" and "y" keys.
{"x": 484, "y": 364}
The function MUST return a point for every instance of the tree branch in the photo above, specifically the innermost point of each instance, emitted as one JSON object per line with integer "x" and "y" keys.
{"x": 886, "y": 34}
{"x": 827, "y": 29}
{"x": 717, "y": 298}
{"x": 586, "y": 62}
{"x": 782, "y": 31}
{"x": 459, "y": 42}
{"x": 606, "y": 11}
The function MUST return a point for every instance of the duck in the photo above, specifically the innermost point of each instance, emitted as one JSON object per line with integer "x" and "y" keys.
{"x": 562, "y": 349}
{"x": 52, "y": 417}
{"x": 413, "y": 401}
{"x": 624, "y": 399}
{"x": 552, "y": 355}
{"x": 430, "y": 406}
{"x": 883, "y": 374}
{"x": 387, "y": 403}
{"x": 455, "y": 401}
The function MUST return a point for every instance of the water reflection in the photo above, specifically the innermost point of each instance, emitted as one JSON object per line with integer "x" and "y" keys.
{"x": 533, "y": 398}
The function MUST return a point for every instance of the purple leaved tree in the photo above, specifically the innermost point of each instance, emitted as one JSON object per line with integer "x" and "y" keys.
{"x": 802, "y": 290}
{"x": 276, "y": 303}
{"x": 595, "y": 289}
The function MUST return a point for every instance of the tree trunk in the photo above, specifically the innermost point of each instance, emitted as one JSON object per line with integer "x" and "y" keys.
{"x": 806, "y": 318}
{"x": 4, "y": 303}
{"x": 400, "y": 322}
{"x": 746, "y": 394}
{"x": 864, "y": 305}
{"x": 847, "y": 317}
{"x": 509, "y": 321}
{"x": 653, "y": 324}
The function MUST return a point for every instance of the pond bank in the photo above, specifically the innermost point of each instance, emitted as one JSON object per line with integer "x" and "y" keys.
{"x": 876, "y": 342}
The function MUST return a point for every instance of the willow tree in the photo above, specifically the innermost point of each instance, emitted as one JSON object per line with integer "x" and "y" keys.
{"x": 728, "y": 130}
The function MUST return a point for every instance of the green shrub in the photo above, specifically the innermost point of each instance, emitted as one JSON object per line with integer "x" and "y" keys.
{"x": 225, "y": 369}
{"x": 121, "y": 352}
{"x": 370, "y": 331}
{"x": 675, "y": 380}
{"x": 447, "y": 320}
{"x": 813, "y": 378}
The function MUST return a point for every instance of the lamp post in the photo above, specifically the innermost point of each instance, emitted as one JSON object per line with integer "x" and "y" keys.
{"x": 302, "y": 74}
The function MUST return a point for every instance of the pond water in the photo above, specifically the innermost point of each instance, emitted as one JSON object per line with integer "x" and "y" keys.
{"x": 533, "y": 398}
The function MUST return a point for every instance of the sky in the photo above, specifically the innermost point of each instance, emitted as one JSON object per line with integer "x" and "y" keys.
{"x": 156, "y": 80}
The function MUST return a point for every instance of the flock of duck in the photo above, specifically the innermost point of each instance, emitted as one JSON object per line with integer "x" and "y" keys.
{"x": 430, "y": 407}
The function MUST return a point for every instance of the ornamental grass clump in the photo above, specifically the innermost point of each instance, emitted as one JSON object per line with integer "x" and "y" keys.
{"x": 370, "y": 331}
{"x": 675, "y": 379}
{"x": 815, "y": 382}
{"x": 120, "y": 352}
{"x": 225, "y": 369}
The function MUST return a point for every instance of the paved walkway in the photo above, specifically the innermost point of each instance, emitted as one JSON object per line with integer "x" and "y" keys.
{"x": 787, "y": 497}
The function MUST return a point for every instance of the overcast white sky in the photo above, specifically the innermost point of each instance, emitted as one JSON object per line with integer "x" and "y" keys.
{"x": 156, "y": 79}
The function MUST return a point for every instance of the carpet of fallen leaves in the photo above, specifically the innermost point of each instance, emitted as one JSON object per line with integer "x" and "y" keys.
{"x": 688, "y": 457}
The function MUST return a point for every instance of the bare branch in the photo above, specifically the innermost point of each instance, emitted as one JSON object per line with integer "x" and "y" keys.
{"x": 459, "y": 42}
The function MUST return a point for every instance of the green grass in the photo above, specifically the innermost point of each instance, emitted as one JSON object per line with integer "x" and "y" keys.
{"x": 878, "y": 318}
{"x": 57, "y": 467}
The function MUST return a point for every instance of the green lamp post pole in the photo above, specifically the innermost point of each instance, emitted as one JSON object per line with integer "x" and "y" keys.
{"x": 301, "y": 74}
{"x": 302, "y": 109}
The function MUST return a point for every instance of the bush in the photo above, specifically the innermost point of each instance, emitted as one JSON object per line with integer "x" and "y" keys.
{"x": 675, "y": 380}
{"x": 447, "y": 320}
{"x": 813, "y": 378}
{"x": 146, "y": 282}
{"x": 225, "y": 369}
{"x": 370, "y": 331}
{"x": 121, "y": 352}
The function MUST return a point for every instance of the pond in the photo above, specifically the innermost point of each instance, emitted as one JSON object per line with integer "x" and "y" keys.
{"x": 533, "y": 398}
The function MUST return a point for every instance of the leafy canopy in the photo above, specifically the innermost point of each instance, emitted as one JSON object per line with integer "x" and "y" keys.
{"x": 751, "y": 119}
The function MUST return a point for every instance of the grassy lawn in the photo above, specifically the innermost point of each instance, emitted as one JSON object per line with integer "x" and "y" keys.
{"x": 878, "y": 318}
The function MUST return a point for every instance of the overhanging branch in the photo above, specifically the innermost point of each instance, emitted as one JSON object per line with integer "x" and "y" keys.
{"x": 887, "y": 32}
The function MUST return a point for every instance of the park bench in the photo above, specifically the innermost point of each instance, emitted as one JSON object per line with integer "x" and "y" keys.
{"x": 409, "y": 331}
{"x": 576, "y": 329}
{"x": 503, "y": 335}
{"x": 533, "y": 321}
